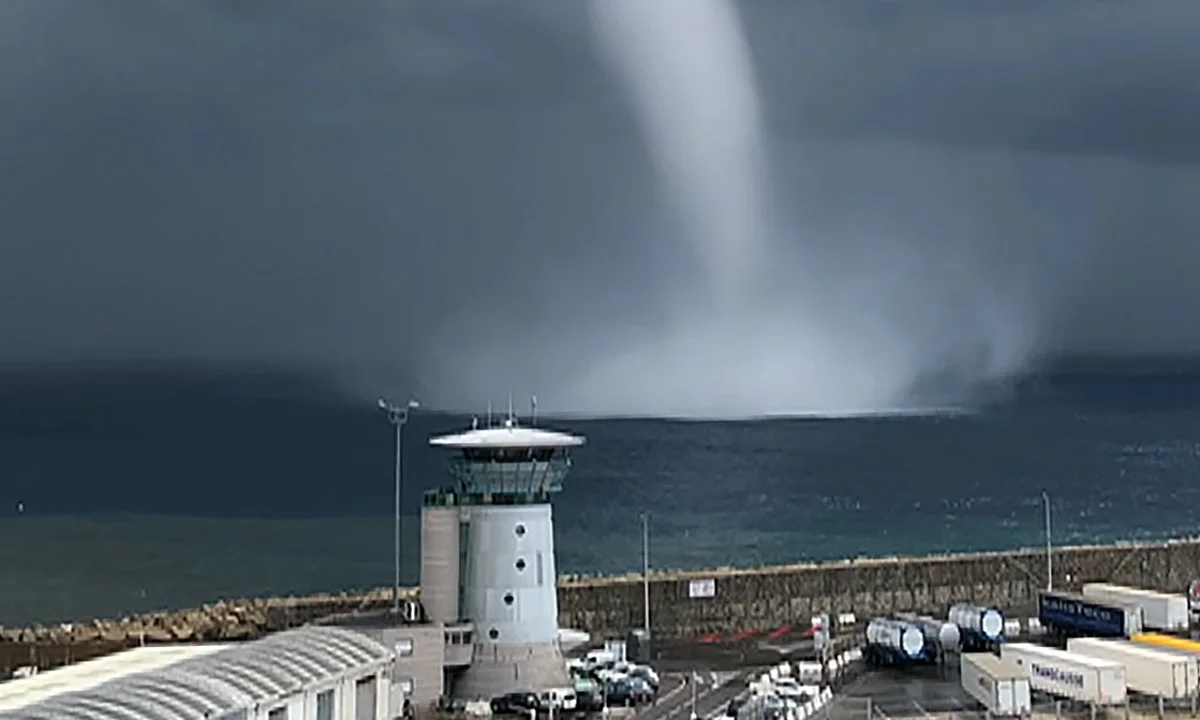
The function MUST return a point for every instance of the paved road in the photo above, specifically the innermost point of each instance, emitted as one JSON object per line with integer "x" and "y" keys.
{"x": 913, "y": 692}
{"x": 713, "y": 690}
{"x": 730, "y": 655}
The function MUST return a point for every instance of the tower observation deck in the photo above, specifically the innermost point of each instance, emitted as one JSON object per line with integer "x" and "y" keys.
{"x": 487, "y": 554}
{"x": 508, "y": 465}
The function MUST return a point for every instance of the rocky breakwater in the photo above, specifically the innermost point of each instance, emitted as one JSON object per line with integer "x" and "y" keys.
{"x": 47, "y": 646}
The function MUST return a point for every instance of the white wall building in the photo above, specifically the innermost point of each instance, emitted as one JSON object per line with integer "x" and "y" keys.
{"x": 311, "y": 673}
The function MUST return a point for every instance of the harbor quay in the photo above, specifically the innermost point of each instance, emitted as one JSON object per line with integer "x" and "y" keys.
{"x": 683, "y": 605}
{"x": 732, "y": 600}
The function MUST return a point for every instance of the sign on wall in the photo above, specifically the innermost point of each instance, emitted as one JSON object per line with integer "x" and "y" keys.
{"x": 702, "y": 588}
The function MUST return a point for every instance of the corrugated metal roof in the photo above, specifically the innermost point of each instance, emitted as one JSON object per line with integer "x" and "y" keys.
{"x": 216, "y": 683}
{"x": 159, "y": 695}
{"x": 282, "y": 663}
{"x": 92, "y": 673}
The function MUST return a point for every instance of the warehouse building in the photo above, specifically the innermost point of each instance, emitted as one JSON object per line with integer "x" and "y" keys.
{"x": 312, "y": 673}
{"x": 426, "y": 654}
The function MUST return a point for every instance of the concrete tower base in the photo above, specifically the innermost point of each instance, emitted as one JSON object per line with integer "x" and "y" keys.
{"x": 498, "y": 668}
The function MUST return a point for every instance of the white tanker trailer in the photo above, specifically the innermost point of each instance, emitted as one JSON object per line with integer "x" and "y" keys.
{"x": 894, "y": 642}
{"x": 940, "y": 636}
{"x": 981, "y": 627}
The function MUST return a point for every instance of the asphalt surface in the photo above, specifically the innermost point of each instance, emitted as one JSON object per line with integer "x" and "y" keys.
{"x": 902, "y": 693}
{"x": 713, "y": 691}
{"x": 730, "y": 654}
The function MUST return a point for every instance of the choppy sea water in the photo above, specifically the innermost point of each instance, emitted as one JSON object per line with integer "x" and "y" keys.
{"x": 142, "y": 491}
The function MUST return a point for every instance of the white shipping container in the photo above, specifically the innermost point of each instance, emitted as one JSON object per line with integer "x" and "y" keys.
{"x": 1068, "y": 675}
{"x": 998, "y": 687}
{"x": 1147, "y": 670}
{"x": 1160, "y": 611}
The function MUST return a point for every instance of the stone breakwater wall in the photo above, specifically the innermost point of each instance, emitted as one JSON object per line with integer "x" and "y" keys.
{"x": 728, "y": 600}
{"x": 682, "y": 604}
{"x": 223, "y": 621}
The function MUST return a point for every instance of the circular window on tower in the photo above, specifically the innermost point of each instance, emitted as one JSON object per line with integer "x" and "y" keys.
{"x": 520, "y": 530}
{"x": 508, "y": 598}
{"x": 520, "y": 564}
{"x": 493, "y": 633}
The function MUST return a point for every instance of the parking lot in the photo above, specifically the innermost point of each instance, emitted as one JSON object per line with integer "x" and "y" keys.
{"x": 723, "y": 666}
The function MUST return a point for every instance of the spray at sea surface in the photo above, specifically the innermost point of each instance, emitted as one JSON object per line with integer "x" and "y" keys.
{"x": 764, "y": 330}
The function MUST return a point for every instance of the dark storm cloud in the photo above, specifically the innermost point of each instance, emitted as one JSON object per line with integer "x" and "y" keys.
{"x": 454, "y": 193}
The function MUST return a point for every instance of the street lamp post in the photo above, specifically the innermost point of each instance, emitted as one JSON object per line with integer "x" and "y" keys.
{"x": 695, "y": 682}
{"x": 398, "y": 417}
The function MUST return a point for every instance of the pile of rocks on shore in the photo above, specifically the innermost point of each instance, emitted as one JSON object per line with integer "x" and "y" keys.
{"x": 224, "y": 620}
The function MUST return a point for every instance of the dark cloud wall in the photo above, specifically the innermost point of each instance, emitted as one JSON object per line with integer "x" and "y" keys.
{"x": 454, "y": 196}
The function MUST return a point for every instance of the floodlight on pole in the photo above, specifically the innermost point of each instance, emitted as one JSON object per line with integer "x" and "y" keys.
{"x": 398, "y": 417}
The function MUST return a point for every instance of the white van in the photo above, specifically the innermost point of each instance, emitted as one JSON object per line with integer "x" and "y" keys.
{"x": 558, "y": 699}
{"x": 597, "y": 658}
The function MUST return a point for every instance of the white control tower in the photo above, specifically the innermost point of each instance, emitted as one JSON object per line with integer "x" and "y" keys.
{"x": 488, "y": 555}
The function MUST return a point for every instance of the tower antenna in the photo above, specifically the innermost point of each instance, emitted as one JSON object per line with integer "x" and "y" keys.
{"x": 489, "y": 414}
{"x": 511, "y": 416}
{"x": 533, "y": 410}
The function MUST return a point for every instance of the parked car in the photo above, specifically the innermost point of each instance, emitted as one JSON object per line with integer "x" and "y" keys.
{"x": 646, "y": 673}
{"x": 589, "y": 700}
{"x": 788, "y": 689}
{"x": 629, "y": 692}
{"x": 515, "y": 703}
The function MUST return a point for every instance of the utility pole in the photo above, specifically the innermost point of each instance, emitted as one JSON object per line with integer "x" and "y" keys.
{"x": 1049, "y": 546}
{"x": 646, "y": 573}
{"x": 398, "y": 417}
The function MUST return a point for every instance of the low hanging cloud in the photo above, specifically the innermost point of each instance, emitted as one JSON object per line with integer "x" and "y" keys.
{"x": 456, "y": 199}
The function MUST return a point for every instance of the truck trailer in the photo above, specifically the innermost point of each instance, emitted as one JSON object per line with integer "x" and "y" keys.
{"x": 1069, "y": 615}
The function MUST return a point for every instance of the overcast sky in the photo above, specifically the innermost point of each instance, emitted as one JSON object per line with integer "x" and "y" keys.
{"x": 455, "y": 195}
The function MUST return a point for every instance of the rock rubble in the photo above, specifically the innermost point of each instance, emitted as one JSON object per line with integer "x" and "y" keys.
{"x": 221, "y": 621}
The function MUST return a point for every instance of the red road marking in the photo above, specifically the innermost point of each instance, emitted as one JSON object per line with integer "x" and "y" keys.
{"x": 743, "y": 635}
{"x": 711, "y": 637}
{"x": 779, "y": 632}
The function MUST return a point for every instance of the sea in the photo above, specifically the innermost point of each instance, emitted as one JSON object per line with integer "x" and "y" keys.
{"x": 134, "y": 489}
